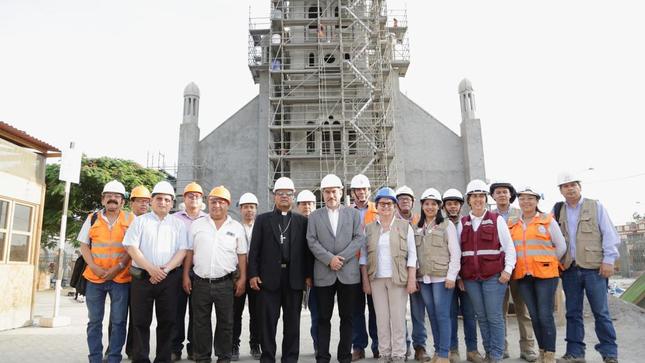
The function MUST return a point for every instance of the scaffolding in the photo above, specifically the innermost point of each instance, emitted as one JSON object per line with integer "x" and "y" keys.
{"x": 331, "y": 68}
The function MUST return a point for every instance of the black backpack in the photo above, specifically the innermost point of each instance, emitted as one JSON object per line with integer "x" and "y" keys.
{"x": 556, "y": 211}
{"x": 78, "y": 281}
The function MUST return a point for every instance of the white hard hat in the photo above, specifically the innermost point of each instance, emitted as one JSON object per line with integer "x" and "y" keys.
{"x": 306, "y": 196}
{"x": 452, "y": 194}
{"x": 431, "y": 193}
{"x": 163, "y": 187}
{"x": 114, "y": 186}
{"x": 567, "y": 177}
{"x": 331, "y": 181}
{"x": 360, "y": 181}
{"x": 405, "y": 190}
{"x": 476, "y": 186}
{"x": 283, "y": 183}
{"x": 248, "y": 198}
{"x": 529, "y": 190}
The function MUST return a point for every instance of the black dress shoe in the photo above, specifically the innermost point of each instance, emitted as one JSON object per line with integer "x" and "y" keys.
{"x": 176, "y": 356}
{"x": 235, "y": 353}
{"x": 256, "y": 353}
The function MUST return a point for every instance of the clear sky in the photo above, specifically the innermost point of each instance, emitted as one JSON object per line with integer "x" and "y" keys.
{"x": 558, "y": 84}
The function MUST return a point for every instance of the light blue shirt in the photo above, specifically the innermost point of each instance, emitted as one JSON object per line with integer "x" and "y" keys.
{"x": 610, "y": 238}
{"x": 158, "y": 239}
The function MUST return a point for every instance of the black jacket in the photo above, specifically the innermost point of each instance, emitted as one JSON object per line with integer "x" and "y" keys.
{"x": 265, "y": 256}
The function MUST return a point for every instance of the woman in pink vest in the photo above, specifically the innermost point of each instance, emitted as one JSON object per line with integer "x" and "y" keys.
{"x": 487, "y": 261}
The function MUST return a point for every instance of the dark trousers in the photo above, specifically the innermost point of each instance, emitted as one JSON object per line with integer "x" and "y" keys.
{"x": 347, "y": 295}
{"x": 181, "y": 333}
{"x": 204, "y": 295}
{"x": 359, "y": 333}
{"x": 254, "y": 318}
{"x": 128, "y": 339}
{"x": 291, "y": 303}
{"x": 163, "y": 296}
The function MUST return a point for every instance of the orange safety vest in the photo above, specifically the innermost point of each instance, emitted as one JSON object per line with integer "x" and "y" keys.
{"x": 535, "y": 251}
{"x": 107, "y": 247}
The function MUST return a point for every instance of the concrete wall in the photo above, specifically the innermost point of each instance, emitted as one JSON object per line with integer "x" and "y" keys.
{"x": 229, "y": 155}
{"x": 428, "y": 154}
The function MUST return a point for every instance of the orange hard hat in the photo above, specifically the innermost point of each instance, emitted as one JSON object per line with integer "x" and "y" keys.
{"x": 221, "y": 192}
{"x": 140, "y": 192}
{"x": 193, "y": 187}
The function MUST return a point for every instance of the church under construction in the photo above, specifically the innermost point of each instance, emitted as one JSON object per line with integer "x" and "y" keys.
{"x": 329, "y": 102}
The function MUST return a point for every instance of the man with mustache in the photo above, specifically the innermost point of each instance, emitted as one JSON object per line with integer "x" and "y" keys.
{"x": 107, "y": 271}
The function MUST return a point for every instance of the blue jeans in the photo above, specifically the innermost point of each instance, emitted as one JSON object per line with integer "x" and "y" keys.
{"x": 95, "y": 301}
{"x": 576, "y": 282}
{"x": 313, "y": 310}
{"x": 461, "y": 303}
{"x": 417, "y": 312}
{"x": 487, "y": 297}
{"x": 539, "y": 296}
{"x": 437, "y": 300}
{"x": 359, "y": 333}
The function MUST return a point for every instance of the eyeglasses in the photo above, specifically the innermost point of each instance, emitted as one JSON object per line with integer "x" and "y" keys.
{"x": 218, "y": 201}
{"x": 284, "y": 194}
{"x": 385, "y": 205}
{"x": 192, "y": 196}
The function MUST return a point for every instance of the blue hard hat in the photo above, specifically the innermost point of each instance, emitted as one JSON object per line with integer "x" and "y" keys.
{"x": 385, "y": 192}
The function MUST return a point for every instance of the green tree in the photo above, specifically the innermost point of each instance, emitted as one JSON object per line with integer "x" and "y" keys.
{"x": 85, "y": 197}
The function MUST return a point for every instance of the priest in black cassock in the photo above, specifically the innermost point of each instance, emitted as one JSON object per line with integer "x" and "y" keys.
{"x": 280, "y": 267}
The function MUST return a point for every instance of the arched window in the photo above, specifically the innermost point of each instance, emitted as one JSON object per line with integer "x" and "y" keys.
{"x": 326, "y": 138}
{"x": 313, "y": 12}
{"x": 336, "y": 12}
{"x": 337, "y": 139}
{"x": 312, "y": 60}
{"x": 311, "y": 138}
{"x": 352, "y": 145}
{"x": 330, "y": 58}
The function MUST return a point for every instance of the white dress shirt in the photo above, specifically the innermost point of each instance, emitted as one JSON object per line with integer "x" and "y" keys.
{"x": 215, "y": 250}
{"x": 248, "y": 232}
{"x": 333, "y": 218}
{"x": 504, "y": 239}
{"x": 158, "y": 239}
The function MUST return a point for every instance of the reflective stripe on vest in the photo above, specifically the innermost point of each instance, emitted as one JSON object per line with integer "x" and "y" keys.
{"x": 482, "y": 256}
{"x": 107, "y": 247}
{"x": 536, "y": 255}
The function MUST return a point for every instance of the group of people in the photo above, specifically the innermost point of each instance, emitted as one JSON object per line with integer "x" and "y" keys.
{"x": 378, "y": 254}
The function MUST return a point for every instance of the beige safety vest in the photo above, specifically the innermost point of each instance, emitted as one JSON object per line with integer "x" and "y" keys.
{"x": 398, "y": 250}
{"x": 588, "y": 238}
{"x": 432, "y": 250}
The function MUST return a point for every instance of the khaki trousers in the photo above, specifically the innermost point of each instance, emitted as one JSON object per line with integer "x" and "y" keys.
{"x": 527, "y": 342}
{"x": 390, "y": 302}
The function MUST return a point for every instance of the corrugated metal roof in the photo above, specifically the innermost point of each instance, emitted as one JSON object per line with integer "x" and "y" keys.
{"x": 22, "y": 138}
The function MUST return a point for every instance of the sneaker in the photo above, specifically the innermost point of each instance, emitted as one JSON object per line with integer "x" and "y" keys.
{"x": 548, "y": 357}
{"x": 80, "y": 299}
{"x": 475, "y": 357}
{"x": 610, "y": 360}
{"x": 454, "y": 356}
{"x": 529, "y": 356}
{"x": 256, "y": 353}
{"x": 175, "y": 356}
{"x": 235, "y": 353}
{"x": 568, "y": 358}
{"x": 358, "y": 354}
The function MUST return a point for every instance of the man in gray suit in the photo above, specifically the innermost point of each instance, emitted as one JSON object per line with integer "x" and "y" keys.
{"x": 335, "y": 236}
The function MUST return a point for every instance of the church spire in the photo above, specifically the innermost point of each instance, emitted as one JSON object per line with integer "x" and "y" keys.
{"x": 467, "y": 100}
{"x": 191, "y": 103}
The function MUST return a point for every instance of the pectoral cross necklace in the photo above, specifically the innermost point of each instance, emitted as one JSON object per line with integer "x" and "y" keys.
{"x": 283, "y": 232}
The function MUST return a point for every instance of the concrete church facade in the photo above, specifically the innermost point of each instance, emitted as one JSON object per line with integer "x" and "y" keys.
{"x": 240, "y": 152}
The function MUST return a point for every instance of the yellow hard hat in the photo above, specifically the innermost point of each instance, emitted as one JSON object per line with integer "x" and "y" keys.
{"x": 221, "y": 192}
{"x": 140, "y": 192}
{"x": 193, "y": 187}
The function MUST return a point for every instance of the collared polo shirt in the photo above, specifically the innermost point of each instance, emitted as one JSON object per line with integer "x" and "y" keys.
{"x": 158, "y": 239}
{"x": 188, "y": 220}
{"x": 215, "y": 250}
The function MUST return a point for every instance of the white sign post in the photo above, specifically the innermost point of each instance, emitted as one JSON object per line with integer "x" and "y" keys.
{"x": 70, "y": 171}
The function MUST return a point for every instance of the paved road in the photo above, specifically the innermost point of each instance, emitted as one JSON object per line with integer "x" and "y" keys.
{"x": 68, "y": 344}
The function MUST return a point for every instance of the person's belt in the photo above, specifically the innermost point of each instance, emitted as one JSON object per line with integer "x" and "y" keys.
{"x": 216, "y": 279}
